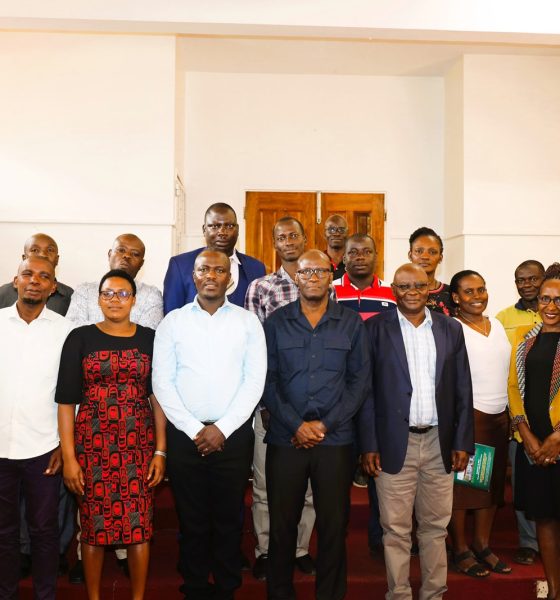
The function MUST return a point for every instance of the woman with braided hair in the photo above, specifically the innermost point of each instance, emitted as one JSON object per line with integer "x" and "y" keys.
{"x": 534, "y": 396}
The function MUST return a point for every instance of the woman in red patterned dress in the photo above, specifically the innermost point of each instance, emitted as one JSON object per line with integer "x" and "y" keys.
{"x": 114, "y": 448}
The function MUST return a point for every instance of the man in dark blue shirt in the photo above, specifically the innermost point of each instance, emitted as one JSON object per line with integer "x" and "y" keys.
{"x": 318, "y": 372}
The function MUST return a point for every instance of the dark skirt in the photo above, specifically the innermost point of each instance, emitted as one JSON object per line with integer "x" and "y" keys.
{"x": 537, "y": 489}
{"x": 491, "y": 430}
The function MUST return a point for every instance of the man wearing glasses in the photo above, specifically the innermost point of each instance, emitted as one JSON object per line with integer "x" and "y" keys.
{"x": 528, "y": 278}
{"x": 220, "y": 231}
{"x": 264, "y": 296}
{"x": 416, "y": 426}
{"x": 318, "y": 371}
{"x": 336, "y": 232}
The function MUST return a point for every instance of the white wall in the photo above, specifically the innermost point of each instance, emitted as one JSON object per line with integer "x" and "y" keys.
{"x": 256, "y": 131}
{"x": 87, "y": 146}
{"x": 511, "y": 166}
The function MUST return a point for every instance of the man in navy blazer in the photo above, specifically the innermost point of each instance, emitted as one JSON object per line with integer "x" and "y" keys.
{"x": 416, "y": 427}
{"x": 220, "y": 231}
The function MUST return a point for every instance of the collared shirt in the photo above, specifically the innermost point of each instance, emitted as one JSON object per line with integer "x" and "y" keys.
{"x": 337, "y": 270}
{"x": 420, "y": 349}
{"x": 266, "y": 294}
{"x": 317, "y": 373}
{"x": 377, "y": 297}
{"x": 234, "y": 263}
{"x": 209, "y": 367}
{"x": 57, "y": 302}
{"x": 147, "y": 311}
{"x": 517, "y": 316}
{"x": 29, "y": 360}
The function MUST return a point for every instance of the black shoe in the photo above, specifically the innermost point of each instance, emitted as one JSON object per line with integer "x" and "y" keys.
{"x": 360, "y": 478}
{"x": 259, "y": 568}
{"x": 245, "y": 564}
{"x": 24, "y": 565}
{"x": 62, "y": 565}
{"x": 123, "y": 566}
{"x": 305, "y": 564}
{"x": 76, "y": 573}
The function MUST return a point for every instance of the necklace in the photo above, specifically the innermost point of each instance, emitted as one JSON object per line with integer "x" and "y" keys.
{"x": 483, "y": 331}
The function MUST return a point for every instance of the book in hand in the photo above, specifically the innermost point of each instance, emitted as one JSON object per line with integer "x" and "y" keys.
{"x": 479, "y": 468}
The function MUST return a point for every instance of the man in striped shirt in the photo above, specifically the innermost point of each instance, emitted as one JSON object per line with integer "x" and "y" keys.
{"x": 264, "y": 296}
{"x": 360, "y": 288}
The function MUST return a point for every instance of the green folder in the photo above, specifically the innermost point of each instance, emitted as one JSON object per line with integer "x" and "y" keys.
{"x": 479, "y": 468}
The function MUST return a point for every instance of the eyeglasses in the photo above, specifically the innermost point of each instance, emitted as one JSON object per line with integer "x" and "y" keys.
{"x": 122, "y": 295}
{"x": 332, "y": 229}
{"x": 533, "y": 280}
{"x": 281, "y": 239}
{"x": 407, "y": 287}
{"x": 308, "y": 273}
{"x": 365, "y": 252}
{"x": 215, "y": 227}
{"x": 545, "y": 300}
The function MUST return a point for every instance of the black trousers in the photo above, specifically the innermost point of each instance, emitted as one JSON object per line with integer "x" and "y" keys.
{"x": 208, "y": 493}
{"x": 330, "y": 470}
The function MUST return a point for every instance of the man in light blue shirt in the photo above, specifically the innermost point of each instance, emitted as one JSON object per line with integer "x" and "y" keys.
{"x": 208, "y": 375}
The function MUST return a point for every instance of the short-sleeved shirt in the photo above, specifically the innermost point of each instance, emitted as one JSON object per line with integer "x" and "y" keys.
{"x": 517, "y": 316}
{"x": 376, "y": 298}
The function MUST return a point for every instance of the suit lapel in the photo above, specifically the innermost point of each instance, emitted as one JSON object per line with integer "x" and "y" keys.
{"x": 440, "y": 340}
{"x": 395, "y": 335}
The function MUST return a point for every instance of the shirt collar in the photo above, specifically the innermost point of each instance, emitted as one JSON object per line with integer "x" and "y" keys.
{"x": 234, "y": 258}
{"x": 45, "y": 314}
{"x": 519, "y": 306}
{"x": 283, "y": 274}
{"x": 346, "y": 281}
{"x": 427, "y": 320}
{"x": 195, "y": 306}
{"x": 334, "y": 310}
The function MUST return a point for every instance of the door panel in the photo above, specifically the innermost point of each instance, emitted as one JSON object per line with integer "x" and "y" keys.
{"x": 365, "y": 213}
{"x": 263, "y": 209}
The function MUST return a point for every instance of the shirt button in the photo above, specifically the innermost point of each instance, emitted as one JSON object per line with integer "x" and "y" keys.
{"x": 314, "y": 335}
{"x": 312, "y": 397}
{"x": 313, "y": 356}
{"x": 312, "y": 376}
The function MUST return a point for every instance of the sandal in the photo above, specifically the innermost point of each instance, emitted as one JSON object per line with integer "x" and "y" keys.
{"x": 476, "y": 570}
{"x": 500, "y": 567}
{"x": 525, "y": 556}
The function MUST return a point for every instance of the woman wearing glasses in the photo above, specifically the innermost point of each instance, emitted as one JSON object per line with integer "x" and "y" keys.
{"x": 489, "y": 353}
{"x": 534, "y": 396}
{"x": 114, "y": 448}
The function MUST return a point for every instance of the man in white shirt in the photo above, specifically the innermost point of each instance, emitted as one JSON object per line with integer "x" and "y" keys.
{"x": 32, "y": 338}
{"x": 127, "y": 254}
{"x": 209, "y": 369}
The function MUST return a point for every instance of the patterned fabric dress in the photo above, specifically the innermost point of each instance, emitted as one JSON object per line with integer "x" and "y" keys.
{"x": 110, "y": 378}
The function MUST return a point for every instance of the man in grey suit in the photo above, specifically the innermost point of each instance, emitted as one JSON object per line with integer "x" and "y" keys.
{"x": 415, "y": 428}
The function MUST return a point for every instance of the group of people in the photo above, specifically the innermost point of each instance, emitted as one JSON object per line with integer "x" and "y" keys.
{"x": 294, "y": 375}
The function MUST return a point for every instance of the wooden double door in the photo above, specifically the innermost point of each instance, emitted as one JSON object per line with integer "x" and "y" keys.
{"x": 365, "y": 213}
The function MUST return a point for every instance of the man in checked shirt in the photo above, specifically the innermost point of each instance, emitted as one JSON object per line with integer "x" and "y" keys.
{"x": 264, "y": 296}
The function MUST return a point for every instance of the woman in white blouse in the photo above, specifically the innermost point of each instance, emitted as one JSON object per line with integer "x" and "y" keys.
{"x": 489, "y": 356}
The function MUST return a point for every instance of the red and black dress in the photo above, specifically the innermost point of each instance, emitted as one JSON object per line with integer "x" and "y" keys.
{"x": 110, "y": 378}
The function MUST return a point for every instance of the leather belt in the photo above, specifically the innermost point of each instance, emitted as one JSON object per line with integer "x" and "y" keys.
{"x": 420, "y": 430}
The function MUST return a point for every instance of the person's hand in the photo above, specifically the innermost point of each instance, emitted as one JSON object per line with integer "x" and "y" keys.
{"x": 73, "y": 476}
{"x": 209, "y": 439}
{"x": 549, "y": 450}
{"x": 265, "y": 418}
{"x": 156, "y": 470}
{"x": 459, "y": 460}
{"x": 371, "y": 463}
{"x": 309, "y": 434}
{"x": 55, "y": 462}
{"x": 531, "y": 444}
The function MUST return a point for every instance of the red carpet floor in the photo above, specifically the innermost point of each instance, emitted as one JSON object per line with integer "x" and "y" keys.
{"x": 366, "y": 576}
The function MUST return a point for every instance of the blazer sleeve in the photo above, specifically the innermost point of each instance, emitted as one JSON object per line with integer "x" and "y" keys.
{"x": 174, "y": 295}
{"x": 464, "y": 427}
{"x": 367, "y": 435}
{"x": 516, "y": 405}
